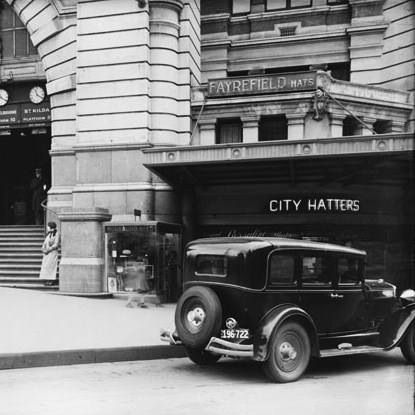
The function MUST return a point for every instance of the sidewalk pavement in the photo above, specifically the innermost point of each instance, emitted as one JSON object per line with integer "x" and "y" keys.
{"x": 45, "y": 329}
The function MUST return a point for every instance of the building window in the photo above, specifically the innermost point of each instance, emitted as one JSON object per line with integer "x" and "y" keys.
{"x": 15, "y": 40}
{"x": 350, "y": 126}
{"x": 340, "y": 70}
{"x": 382, "y": 127}
{"x": 273, "y": 127}
{"x": 241, "y": 6}
{"x": 332, "y": 2}
{"x": 287, "y": 4}
{"x": 229, "y": 130}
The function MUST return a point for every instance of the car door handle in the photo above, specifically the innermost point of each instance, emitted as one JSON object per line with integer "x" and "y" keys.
{"x": 335, "y": 295}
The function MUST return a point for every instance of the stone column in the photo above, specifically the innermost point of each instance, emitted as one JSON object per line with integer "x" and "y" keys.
{"x": 207, "y": 132}
{"x": 296, "y": 123}
{"x": 165, "y": 79}
{"x": 81, "y": 269}
{"x": 336, "y": 123}
{"x": 250, "y": 133}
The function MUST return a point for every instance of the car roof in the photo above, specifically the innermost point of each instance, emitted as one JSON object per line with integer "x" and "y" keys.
{"x": 252, "y": 243}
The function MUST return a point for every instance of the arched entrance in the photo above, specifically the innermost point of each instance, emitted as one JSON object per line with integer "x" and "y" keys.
{"x": 25, "y": 124}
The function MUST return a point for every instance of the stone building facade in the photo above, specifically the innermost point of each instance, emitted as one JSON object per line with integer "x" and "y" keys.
{"x": 129, "y": 80}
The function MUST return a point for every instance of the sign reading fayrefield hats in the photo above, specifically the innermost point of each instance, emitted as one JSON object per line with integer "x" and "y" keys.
{"x": 314, "y": 205}
{"x": 262, "y": 84}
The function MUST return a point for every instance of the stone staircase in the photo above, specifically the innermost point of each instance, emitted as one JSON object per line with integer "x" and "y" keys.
{"x": 21, "y": 257}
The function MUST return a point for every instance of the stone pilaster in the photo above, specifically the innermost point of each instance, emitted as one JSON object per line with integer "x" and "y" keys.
{"x": 362, "y": 130}
{"x": 250, "y": 132}
{"x": 207, "y": 132}
{"x": 81, "y": 269}
{"x": 336, "y": 124}
{"x": 397, "y": 126}
{"x": 366, "y": 40}
{"x": 296, "y": 123}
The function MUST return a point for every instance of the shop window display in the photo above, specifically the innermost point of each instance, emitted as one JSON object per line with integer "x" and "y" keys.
{"x": 144, "y": 258}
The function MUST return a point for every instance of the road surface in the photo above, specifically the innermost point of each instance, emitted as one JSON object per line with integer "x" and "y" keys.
{"x": 376, "y": 384}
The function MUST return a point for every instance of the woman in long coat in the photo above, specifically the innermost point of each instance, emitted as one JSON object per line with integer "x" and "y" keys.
{"x": 50, "y": 255}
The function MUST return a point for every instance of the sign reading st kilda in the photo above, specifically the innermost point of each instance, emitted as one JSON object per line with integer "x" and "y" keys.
{"x": 262, "y": 84}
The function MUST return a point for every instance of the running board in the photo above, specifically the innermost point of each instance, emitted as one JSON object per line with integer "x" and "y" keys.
{"x": 350, "y": 351}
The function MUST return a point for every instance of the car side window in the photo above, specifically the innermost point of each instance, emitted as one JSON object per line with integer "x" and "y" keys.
{"x": 211, "y": 265}
{"x": 348, "y": 270}
{"x": 282, "y": 269}
{"x": 315, "y": 270}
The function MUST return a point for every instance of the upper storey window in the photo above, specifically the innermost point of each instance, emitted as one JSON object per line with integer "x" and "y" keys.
{"x": 287, "y": 4}
{"x": 241, "y": 6}
{"x": 15, "y": 41}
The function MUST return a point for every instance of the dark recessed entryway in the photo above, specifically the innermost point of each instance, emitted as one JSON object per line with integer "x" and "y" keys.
{"x": 21, "y": 151}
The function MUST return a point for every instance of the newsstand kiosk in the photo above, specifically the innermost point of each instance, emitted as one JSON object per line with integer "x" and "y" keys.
{"x": 145, "y": 258}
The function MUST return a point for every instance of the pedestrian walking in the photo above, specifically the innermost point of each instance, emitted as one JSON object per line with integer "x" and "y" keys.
{"x": 50, "y": 255}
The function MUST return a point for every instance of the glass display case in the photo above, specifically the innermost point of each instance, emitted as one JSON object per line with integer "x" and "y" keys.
{"x": 144, "y": 257}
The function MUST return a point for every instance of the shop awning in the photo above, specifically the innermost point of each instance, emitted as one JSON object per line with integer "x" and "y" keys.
{"x": 377, "y": 159}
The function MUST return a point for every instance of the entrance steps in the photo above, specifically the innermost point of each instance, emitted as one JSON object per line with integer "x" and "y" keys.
{"x": 21, "y": 257}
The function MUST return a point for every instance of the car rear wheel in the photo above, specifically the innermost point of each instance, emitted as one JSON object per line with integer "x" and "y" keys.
{"x": 202, "y": 357}
{"x": 408, "y": 345}
{"x": 198, "y": 316}
{"x": 290, "y": 352}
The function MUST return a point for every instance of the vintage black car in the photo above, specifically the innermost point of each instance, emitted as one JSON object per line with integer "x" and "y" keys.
{"x": 282, "y": 301}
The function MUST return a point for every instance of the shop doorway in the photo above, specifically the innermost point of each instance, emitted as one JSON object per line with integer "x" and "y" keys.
{"x": 22, "y": 150}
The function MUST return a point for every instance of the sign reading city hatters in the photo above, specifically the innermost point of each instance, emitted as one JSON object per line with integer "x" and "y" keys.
{"x": 262, "y": 84}
{"x": 24, "y": 115}
{"x": 314, "y": 204}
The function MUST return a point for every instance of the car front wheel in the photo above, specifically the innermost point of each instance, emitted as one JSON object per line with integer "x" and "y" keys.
{"x": 408, "y": 344}
{"x": 289, "y": 355}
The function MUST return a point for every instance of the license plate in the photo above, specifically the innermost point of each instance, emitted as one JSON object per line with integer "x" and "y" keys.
{"x": 234, "y": 334}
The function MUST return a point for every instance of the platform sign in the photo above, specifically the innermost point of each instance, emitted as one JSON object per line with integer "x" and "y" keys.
{"x": 24, "y": 115}
{"x": 32, "y": 113}
{"x": 9, "y": 116}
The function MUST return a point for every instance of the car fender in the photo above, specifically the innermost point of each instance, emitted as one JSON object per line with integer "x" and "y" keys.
{"x": 394, "y": 328}
{"x": 273, "y": 320}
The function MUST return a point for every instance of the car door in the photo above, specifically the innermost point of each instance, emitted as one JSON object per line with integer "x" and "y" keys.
{"x": 317, "y": 294}
{"x": 350, "y": 296}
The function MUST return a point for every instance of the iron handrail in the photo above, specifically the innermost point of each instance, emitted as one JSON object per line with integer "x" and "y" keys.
{"x": 45, "y": 208}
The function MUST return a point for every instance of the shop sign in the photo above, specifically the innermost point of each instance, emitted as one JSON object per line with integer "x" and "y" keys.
{"x": 262, "y": 84}
{"x": 9, "y": 115}
{"x": 314, "y": 205}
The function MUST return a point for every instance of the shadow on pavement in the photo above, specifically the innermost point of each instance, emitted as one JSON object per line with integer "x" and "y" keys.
{"x": 241, "y": 371}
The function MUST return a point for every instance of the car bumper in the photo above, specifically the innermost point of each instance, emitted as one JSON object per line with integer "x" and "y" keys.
{"x": 215, "y": 345}
{"x": 226, "y": 348}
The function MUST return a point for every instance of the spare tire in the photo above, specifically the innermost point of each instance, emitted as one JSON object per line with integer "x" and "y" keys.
{"x": 198, "y": 316}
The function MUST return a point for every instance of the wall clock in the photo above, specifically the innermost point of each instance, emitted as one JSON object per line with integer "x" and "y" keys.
{"x": 37, "y": 94}
{"x": 4, "y": 97}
